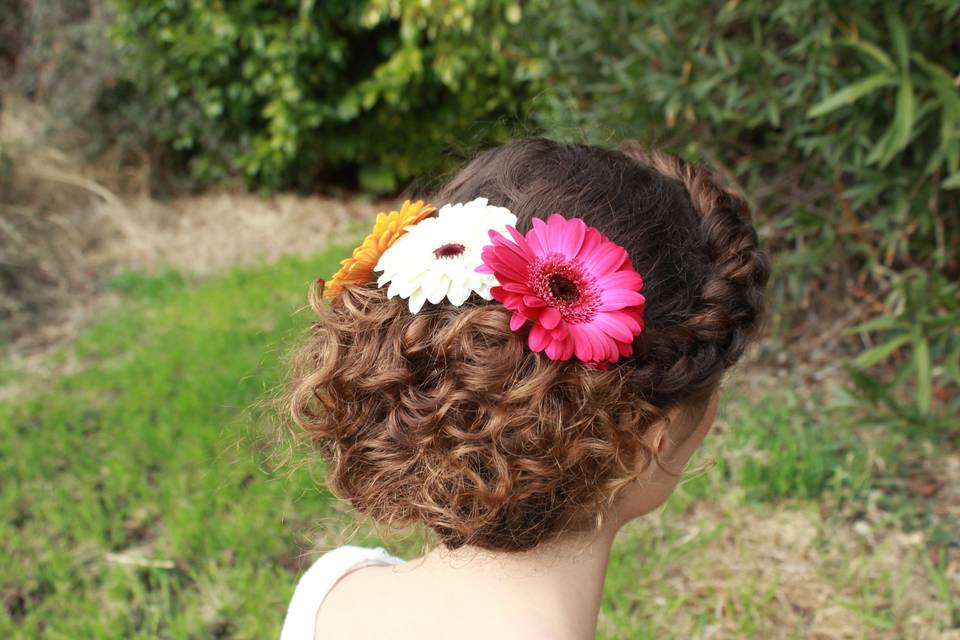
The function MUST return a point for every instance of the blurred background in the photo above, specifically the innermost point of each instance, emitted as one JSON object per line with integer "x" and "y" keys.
{"x": 173, "y": 173}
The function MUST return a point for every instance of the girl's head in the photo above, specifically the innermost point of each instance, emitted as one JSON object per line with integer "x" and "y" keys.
{"x": 447, "y": 418}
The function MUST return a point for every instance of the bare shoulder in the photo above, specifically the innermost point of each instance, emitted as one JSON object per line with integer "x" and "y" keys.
{"x": 527, "y": 629}
{"x": 390, "y": 602}
{"x": 356, "y": 606}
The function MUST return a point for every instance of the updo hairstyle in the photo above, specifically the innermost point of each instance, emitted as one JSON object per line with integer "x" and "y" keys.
{"x": 445, "y": 418}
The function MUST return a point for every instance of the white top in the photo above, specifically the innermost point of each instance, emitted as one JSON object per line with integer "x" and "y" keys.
{"x": 316, "y": 583}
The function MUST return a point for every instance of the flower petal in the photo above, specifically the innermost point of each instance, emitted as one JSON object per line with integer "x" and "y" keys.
{"x": 611, "y": 314}
{"x": 623, "y": 279}
{"x": 416, "y": 301}
{"x": 435, "y": 289}
{"x": 516, "y": 287}
{"x": 537, "y": 238}
{"x": 591, "y": 240}
{"x": 550, "y": 318}
{"x": 561, "y": 332}
{"x": 619, "y": 298}
{"x": 605, "y": 258}
{"x": 413, "y": 270}
{"x": 573, "y": 237}
{"x": 458, "y": 293}
{"x": 521, "y": 242}
{"x": 391, "y": 290}
{"x": 538, "y": 338}
{"x": 613, "y": 327}
{"x": 629, "y": 321}
{"x": 358, "y": 266}
{"x": 503, "y": 253}
{"x": 583, "y": 347}
{"x": 554, "y": 349}
{"x": 611, "y": 353}
{"x": 555, "y": 231}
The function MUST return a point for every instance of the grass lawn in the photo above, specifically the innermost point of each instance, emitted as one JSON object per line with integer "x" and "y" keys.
{"x": 141, "y": 496}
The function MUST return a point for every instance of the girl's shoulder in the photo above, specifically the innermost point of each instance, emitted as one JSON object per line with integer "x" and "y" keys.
{"x": 320, "y": 578}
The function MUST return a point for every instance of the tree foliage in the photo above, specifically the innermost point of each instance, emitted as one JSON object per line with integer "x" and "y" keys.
{"x": 296, "y": 92}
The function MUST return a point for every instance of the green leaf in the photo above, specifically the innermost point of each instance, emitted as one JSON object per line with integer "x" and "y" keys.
{"x": 951, "y": 182}
{"x": 906, "y": 113}
{"x": 880, "y": 352}
{"x": 851, "y": 93}
{"x": 921, "y": 362}
{"x": 942, "y": 84}
{"x": 872, "y": 51}
{"x": 883, "y": 151}
{"x": 939, "y": 579}
{"x": 897, "y": 136}
{"x": 898, "y": 33}
{"x": 880, "y": 323}
{"x": 952, "y": 364}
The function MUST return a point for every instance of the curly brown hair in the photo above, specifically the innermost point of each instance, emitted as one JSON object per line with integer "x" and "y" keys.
{"x": 445, "y": 418}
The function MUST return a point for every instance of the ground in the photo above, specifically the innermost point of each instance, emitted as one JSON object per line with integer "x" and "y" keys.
{"x": 148, "y": 490}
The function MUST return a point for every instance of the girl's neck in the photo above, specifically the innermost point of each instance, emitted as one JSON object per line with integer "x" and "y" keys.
{"x": 558, "y": 585}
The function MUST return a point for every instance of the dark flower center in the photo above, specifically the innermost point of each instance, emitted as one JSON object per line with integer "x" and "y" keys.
{"x": 563, "y": 288}
{"x": 450, "y": 250}
{"x": 565, "y": 285}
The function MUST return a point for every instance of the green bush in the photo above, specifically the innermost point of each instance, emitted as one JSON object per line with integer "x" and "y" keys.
{"x": 840, "y": 120}
{"x": 296, "y": 92}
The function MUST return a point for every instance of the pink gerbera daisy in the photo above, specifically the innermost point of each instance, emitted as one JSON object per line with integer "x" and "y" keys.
{"x": 576, "y": 287}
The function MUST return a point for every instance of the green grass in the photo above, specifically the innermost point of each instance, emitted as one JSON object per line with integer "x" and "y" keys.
{"x": 149, "y": 452}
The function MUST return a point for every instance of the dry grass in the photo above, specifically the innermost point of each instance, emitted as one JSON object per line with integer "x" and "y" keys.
{"x": 729, "y": 570}
{"x": 62, "y": 229}
{"x": 210, "y": 233}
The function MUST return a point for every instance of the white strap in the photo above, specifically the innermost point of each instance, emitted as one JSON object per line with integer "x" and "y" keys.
{"x": 317, "y": 582}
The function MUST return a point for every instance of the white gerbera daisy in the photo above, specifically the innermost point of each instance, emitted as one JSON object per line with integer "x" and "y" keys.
{"x": 437, "y": 257}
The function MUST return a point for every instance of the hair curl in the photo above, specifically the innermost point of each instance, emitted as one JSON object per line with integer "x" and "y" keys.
{"x": 446, "y": 418}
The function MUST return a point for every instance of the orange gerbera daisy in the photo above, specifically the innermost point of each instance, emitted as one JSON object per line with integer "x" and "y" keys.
{"x": 388, "y": 227}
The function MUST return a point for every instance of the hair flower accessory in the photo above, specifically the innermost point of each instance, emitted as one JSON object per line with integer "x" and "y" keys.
{"x": 577, "y": 288}
{"x": 386, "y": 230}
{"x": 437, "y": 258}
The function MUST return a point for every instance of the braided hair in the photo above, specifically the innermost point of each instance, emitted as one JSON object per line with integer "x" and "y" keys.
{"x": 688, "y": 234}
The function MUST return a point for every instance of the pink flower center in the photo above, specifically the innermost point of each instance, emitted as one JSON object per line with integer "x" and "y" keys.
{"x": 565, "y": 285}
{"x": 449, "y": 250}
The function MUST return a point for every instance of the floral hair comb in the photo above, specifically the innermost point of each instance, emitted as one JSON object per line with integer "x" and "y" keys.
{"x": 577, "y": 290}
